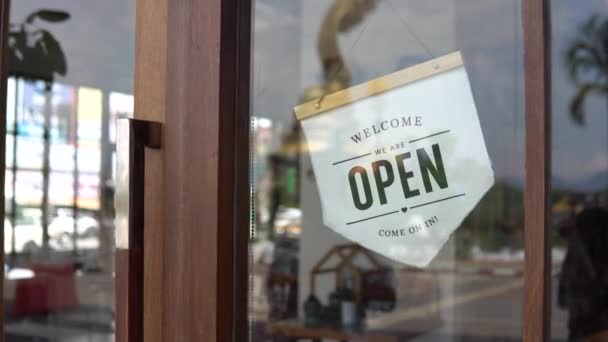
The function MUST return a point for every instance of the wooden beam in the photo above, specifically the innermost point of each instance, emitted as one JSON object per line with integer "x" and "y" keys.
{"x": 191, "y": 169}
{"x": 243, "y": 193}
{"x": 192, "y": 74}
{"x": 537, "y": 269}
{"x": 150, "y": 104}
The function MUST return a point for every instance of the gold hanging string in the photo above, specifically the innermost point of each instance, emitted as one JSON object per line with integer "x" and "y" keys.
{"x": 341, "y": 12}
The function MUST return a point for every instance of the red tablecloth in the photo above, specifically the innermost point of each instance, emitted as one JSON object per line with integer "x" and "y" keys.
{"x": 52, "y": 289}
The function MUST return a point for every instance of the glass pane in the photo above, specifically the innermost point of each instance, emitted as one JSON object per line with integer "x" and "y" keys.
{"x": 61, "y": 189}
{"x": 62, "y": 157}
{"x": 11, "y": 104}
{"x": 88, "y": 191}
{"x": 30, "y": 151}
{"x": 88, "y": 156}
{"x": 28, "y": 188}
{"x": 579, "y": 171}
{"x": 10, "y": 153}
{"x": 66, "y": 58}
{"x": 8, "y": 191}
{"x": 32, "y": 103}
{"x": 28, "y": 213}
{"x": 8, "y": 210}
{"x": 472, "y": 290}
{"x": 89, "y": 114}
{"x": 121, "y": 106}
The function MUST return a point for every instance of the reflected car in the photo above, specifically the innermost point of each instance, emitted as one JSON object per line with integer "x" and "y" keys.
{"x": 28, "y": 231}
{"x": 61, "y": 229}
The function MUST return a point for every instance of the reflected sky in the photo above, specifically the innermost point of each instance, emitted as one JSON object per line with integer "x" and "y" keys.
{"x": 285, "y": 63}
{"x": 98, "y": 40}
{"x": 580, "y": 155}
{"x": 490, "y": 36}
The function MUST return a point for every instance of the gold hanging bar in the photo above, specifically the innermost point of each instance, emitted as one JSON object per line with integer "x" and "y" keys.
{"x": 379, "y": 85}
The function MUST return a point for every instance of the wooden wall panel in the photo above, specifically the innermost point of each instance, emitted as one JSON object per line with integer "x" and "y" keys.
{"x": 537, "y": 272}
{"x": 191, "y": 164}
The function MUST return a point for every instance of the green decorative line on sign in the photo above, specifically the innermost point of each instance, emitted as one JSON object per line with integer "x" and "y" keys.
{"x": 353, "y": 158}
{"x": 369, "y": 154}
{"x": 405, "y": 209}
{"x": 441, "y": 200}
{"x": 373, "y": 217}
{"x": 428, "y": 136}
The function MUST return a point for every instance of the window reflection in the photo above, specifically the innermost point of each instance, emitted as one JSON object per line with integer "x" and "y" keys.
{"x": 579, "y": 171}
{"x": 309, "y": 283}
{"x": 65, "y": 90}
{"x": 73, "y": 245}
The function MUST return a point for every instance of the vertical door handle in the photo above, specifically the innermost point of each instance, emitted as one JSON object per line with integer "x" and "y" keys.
{"x": 133, "y": 138}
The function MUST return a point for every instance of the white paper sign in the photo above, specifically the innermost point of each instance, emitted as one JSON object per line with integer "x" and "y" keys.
{"x": 399, "y": 161}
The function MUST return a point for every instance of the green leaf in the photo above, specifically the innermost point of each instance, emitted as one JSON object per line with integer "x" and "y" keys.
{"x": 577, "y": 112}
{"x": 54, "y": 16}
{"x": 55, "y": 56}
{"x": 583, "y": 55}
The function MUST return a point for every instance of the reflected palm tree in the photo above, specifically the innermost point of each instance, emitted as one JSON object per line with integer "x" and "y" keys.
{"x": 587, "y": 63}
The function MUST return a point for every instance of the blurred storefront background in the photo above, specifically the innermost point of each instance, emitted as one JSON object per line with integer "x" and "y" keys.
{"x": 70, "y": 78}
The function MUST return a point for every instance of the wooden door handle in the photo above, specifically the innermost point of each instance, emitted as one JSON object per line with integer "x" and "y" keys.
{"x": 133, "y": 138}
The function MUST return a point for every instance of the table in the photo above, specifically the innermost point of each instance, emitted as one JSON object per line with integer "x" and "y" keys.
{"x": 297, "y": 330}
{"x": 52, "y": 289}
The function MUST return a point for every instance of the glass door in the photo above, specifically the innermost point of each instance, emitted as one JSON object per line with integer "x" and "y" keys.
{"x": 312, "y": 278}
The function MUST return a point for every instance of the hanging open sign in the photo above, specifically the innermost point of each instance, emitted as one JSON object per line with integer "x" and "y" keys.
{"x": 400, "y": 161}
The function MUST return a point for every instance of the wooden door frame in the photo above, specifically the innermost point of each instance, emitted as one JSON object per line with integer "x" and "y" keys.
{"x": 536, "y": 18}
{"x": 192, "y": 75}
{"x": 536, "y": 21}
